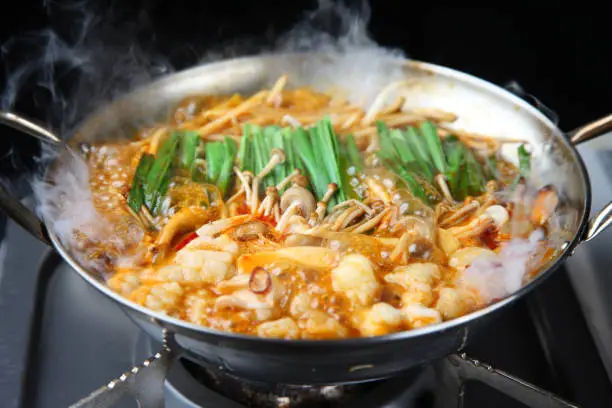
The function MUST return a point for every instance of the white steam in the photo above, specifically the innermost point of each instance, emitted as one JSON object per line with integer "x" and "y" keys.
{"x": 499, "y": 275}
{"x": 67, "y": 74}
{"x": 78, "y": 70}
{"x": 357, "y": 68}
{"x": 71, "y": 188}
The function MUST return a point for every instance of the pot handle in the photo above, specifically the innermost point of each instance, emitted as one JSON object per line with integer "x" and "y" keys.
{"x": 144, "y": 382}
{"x": 591, "y": 130}
{"x": 458, "y": 369}
{"x": 10, "y": 205}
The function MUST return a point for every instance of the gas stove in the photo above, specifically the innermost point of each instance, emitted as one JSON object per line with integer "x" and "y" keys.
{"x": 60, "y": 339}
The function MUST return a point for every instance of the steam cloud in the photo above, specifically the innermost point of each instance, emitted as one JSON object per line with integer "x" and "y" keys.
{"x": 84, "y": 67}
{"x": 89, "y": 64}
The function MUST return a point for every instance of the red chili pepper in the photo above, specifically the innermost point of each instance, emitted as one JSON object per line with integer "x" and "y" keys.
{"x": 185, "y": 241}
{"x": 489, "y": 238}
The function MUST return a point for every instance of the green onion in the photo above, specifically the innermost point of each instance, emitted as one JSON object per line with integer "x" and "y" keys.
{"x": 455, "y": 160}
{"x": 189, "y": 142}
{"x": 417, "y": 145}
{"x": 304, "y": 150}
{"x": 330, "y": 158}
{"x": 291, "y": 160}
{"x": 524, "y": 161}
{"x": 347, "y": 170}
{"x": 196, "y": 171}
{"x": 463, "y": 184}
{"x": 384, "y": 141}
{"x": 262, "y": 154}
{"x": 401, "y": 146}
{"x": 524, "y": 158}
{"x": 294, "y": 158}
{"x": 353, "y": 153}
{"x": 395, "y": 166}
{"x": 434, "y": 144}
{"x": 214, "y": 161}
{"x": 278, "y": 141}
{"x": 269, "y": 132}
{"x": 268, "y": 136}
{"x": 259, "y": 149}
{"x": 476, "y": 179}
{"x": 491, "y": 167}
{"x": 321, "y": 156}
{"x": 158, "y": 177}
{"x": 136, "y": 196}
{"x": 245, "y": 149}
{"x": 229, "y": 154}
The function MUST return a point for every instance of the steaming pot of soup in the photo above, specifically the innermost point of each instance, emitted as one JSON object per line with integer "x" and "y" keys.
{"x": 262, "y": 219}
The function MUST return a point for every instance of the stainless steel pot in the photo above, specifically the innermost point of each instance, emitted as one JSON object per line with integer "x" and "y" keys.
{"x": 481, "y": 107}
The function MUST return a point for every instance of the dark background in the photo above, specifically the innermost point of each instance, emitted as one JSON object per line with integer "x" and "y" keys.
{"x": 560, "y": 55}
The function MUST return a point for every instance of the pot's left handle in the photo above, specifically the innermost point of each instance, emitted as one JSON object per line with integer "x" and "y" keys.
{"x": 11, "y": 205}
{"x": 144, "y": 382}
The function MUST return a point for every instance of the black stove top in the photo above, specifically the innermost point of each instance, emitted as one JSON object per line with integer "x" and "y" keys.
{"x": 61, "y": 339}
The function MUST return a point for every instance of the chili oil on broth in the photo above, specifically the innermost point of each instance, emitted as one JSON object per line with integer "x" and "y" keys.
{"x": 377, "y": 261}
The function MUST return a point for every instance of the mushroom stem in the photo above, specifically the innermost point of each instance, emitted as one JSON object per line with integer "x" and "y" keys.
{"x": 400, "y": 247}
{"x": 494, "y": 216}
{"x": 268, "y": 203}
{"x": 275, "y": 95}
{"x": 147, "y": 215}
{"x": 244, "y": 183}
{"x": 371, "y": 223}
{"x": 489, "y": 197}
{"x": 319, "y": 213}
{"x": 254, "y": 195}
{"x": 441, "y": 180}
{"x": 331, "y": 189}
{"x": 378, "y": 190}
{"x": 261, "y": 208}
{"x": 277, "y": 156}
{"x": 284, "y": 219}
{"x": 475, "y": 227}
{"x": 235, "y": 196}
{"x": 322, "y": 205}
{"x": 352, "y": 216}
{"x": 232, "y": 209}
{"x": 144, "y": 224}
{"x": 285, "y": 182}
{"x": 459, "y": 214}
{"x": 348, "y": 214}
{"x": 358, "y": 203}
{"x": 491, "y": 186}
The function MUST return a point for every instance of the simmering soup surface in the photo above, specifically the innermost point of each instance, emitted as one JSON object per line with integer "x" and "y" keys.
{"x": 294, "y": 214}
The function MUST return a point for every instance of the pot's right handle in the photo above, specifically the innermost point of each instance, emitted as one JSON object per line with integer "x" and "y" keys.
{"x": 11, "y": 205}
{"x": 591, "y": 130}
